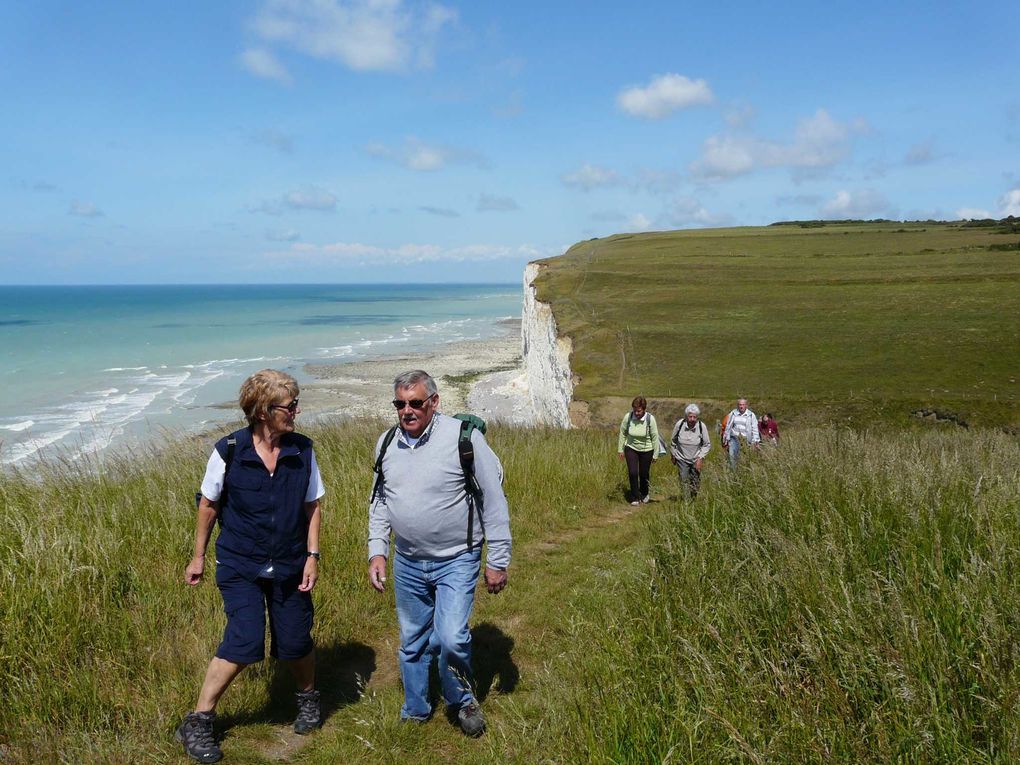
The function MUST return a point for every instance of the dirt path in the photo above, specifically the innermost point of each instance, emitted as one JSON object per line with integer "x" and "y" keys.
{"x": 515, "y": 628}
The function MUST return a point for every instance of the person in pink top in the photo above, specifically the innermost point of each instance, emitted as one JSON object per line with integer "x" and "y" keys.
{"x": 768, "y": 429}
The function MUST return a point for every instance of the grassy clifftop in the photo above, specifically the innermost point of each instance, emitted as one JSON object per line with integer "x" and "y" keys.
{"x": 820, "y": 323}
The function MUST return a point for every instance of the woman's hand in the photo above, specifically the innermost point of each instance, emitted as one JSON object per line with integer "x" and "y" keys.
{"x": 194, "y": 570}
{"x": 698, "y": 463}
{"x": 310, "y": 575}
{"x": 620, "y": 455}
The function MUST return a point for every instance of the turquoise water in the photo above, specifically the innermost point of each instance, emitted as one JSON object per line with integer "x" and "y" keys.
{"x": 84, "y": 368}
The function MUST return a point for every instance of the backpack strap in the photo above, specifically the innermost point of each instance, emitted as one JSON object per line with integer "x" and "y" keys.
{"x": 379, "y": 479}
{"x": 466, "y": 451}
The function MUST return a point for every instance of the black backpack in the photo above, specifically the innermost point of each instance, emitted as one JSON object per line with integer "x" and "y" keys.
{"x": 465, "y": 450}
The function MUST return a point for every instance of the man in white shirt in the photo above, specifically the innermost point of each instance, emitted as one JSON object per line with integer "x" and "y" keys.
{"x": 741, "y": 423}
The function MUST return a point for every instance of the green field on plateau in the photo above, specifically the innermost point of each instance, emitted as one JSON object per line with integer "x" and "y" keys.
{"x": 817, "y": 322}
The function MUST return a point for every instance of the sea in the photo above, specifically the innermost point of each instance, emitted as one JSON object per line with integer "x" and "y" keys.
{"x": 86, "y": 369}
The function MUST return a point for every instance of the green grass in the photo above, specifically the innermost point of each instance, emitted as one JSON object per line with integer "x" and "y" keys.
{"x": 853, "y": 598}
{"x": 831, "y": 324}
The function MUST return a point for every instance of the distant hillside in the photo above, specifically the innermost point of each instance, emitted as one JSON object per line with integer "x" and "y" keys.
{"x": 814, "y": 320}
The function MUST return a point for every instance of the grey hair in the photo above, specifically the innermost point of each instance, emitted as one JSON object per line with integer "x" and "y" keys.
{"x": 692, "y": 409}
{"x": 415, "y": 376}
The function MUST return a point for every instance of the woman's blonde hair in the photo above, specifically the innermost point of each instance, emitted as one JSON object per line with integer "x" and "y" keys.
{"x": 263, "y": 389}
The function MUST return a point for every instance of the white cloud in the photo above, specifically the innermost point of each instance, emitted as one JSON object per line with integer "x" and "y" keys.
{"x": 819, "y": 142}
{"x": 972, "y": 213}
{"x": 308, "y": 198}
{"x": 364, "y": 35}
{"x": 442, "y": 212}
{"x": 866, "y": 203}
{"x": 84, "y": 210}
{"x": 356, "y": 253}
{"x": 638, "y": 222}
{"x": 262, "y": 63}
{"x": 493, "y": 203}
{"x": 664, "y": 95}
{"x": 1009, "y": 204}
{"x": 588, "y": 177}
{"x": 725, "y": 157}
{"x": 418, "y": 155}
{"x": 686, "y": 211}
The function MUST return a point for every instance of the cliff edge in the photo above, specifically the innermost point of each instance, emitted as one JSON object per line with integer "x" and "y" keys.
{"x": 546, "y": 358}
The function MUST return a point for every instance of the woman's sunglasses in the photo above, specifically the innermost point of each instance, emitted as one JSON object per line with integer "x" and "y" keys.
{"x": 292, "y": 407}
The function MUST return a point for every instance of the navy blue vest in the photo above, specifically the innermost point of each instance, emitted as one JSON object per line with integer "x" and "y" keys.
{"x": 264, "y": 517}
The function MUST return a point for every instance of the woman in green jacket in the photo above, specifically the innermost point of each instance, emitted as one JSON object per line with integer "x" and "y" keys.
{"x": 638, "y": 446}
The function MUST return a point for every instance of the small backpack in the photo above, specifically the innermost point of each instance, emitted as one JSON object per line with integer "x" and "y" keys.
{"x": 723, "y": 424}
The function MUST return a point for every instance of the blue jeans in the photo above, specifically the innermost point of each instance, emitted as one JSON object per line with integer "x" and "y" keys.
{"x": 434, "y": 602}
{"x": 734, "y": 451}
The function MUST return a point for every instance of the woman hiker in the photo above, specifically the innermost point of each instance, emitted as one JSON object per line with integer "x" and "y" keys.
{"x": 638, "y": 446}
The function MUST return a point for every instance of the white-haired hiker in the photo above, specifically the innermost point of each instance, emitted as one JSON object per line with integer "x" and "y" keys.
{"x": 688, "y": 446}
{"x": 741, "y": 424}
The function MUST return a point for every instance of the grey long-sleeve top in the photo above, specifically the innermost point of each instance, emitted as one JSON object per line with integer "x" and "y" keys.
{"x": 688, "y": 444}
{"x": 425, "y": 504}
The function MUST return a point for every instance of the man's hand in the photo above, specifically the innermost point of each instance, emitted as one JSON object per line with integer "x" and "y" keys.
{"x": 725, "y": 444}
{"x": 672, "y": 459}
{"x": 495, "y": 580}
{"x": 757, "y": 445}
{"x": 377, "y": 572}
{"x": 194, "y": 570}
{"x": 310, "y": 575}
{"x": 621, "y": 455}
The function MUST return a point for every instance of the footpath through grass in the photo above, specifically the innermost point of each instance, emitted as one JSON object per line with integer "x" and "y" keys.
{"x": 834, "y": 323}
{"x": 853, "y": 597}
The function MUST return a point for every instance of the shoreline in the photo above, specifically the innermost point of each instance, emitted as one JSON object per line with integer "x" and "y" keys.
{"x": 484, "y": 377}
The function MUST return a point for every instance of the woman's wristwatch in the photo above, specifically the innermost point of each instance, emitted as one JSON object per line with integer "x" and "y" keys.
{"x": 314, "y": 554}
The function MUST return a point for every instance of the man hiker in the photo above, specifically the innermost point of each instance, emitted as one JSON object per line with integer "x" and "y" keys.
{"x": 439, "y": 515}
{"x": 741, "y": 424}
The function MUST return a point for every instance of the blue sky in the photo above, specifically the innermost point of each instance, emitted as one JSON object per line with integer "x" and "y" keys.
{"x": 385, "y": 140}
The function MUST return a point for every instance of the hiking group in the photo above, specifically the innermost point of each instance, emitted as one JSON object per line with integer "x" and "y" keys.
{"x": 438, "y": 492}
{"x": 639, "y": 444}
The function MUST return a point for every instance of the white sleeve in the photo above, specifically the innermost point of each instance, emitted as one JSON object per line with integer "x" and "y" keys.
{"x": 316, "y": 489}
{"x": 212, "y": 484}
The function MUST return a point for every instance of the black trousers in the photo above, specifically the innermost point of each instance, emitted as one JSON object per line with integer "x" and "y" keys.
{"x": 639, "y": 464}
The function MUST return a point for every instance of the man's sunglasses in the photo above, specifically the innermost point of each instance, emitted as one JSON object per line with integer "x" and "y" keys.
{"x": 414, "y": 403}
{"x": 292, "y": 407}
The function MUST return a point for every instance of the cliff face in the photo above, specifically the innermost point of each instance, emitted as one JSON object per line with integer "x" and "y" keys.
{"x": 546, "y": 358}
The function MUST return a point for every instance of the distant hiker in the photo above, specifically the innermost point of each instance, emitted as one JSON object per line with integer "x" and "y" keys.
{"x": 440, "y": 510}
{"x": 688, "y": 446}
{"x": 638, "y": 446}
{"x": 741, "y": 425}
{"x": 768, "y": 429}
{"x": 263, "y": 485}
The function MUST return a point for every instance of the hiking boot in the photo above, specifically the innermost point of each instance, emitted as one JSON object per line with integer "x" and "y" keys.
{"x": 308, "y": 717}
{"x": 646, "y": 499}
{"x": 471, "y": 720}
{"x": 635, "y": 503}
{"x": 196, "y": 735}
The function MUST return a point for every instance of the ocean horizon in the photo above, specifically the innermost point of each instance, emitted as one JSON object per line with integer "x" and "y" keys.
{"x": 88, "y": 368}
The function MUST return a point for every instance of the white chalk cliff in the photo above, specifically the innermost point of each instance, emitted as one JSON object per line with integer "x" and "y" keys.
{"x": 546, "y": 356}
